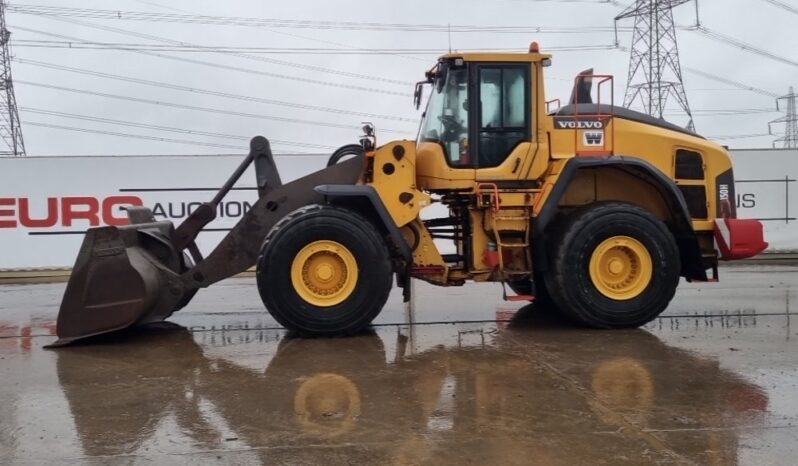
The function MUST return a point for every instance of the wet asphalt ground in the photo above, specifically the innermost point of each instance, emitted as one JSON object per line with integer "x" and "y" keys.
{"x": 460, "y": 377}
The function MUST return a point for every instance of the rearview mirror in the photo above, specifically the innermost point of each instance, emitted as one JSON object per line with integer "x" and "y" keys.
{"x": 418, "y": 94}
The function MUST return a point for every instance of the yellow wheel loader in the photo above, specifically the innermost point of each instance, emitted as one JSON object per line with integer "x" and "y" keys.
{"x": 597, "y": 208}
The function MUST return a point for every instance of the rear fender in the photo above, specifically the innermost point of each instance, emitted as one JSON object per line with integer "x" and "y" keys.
{"x": 680, "y": 223}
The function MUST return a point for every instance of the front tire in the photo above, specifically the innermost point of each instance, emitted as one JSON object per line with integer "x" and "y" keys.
{"x": 615, "y": 266}
{"x": 324, "y": 271}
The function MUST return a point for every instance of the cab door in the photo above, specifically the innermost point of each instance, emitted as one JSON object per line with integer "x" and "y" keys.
{"x": 501, "y": 124}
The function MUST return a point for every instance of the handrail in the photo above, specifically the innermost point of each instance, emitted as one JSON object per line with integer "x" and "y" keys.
{"x": 605, "y": 118}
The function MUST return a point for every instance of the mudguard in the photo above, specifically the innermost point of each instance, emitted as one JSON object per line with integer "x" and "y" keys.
{"x": 682, "y": 227}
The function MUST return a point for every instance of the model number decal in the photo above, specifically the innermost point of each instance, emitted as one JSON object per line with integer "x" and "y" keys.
{"x": 724, "y": 192}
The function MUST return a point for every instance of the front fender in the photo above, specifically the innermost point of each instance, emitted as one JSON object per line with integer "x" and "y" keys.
{"x": 338, "y": 193}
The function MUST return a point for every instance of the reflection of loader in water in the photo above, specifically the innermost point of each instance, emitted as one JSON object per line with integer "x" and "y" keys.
{"x": 114, "y": 416}
{"x": 424, "y": 408}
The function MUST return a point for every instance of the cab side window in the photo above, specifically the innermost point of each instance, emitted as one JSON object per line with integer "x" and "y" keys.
{"x": 504, "y": 111}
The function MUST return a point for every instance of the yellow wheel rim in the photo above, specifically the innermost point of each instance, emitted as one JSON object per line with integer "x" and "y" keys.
{"x": 626, "y": 386}
{"x": 327, "y": 405}
{"x": 621, "y": 268}
{"x": 324, "y": 273}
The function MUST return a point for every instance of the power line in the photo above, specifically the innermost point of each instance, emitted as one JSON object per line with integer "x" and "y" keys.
{"x": 714, "y": 89}
{"x": 783, "y": 6}
{"x": 165, "y": 85}
{"x": 740, "y": 136}
{"x": 725, "y": 112}
{"x": 269, "y": 60}
{"x": 134, "y": 136}
{"x": 133, "y": 124}
{"x": 86, "y": 45}
{"x": 200, "y": 109}
{"x": 288, "y": 34}
{"x": 320, "y": 50}
{"x": 144, "y": 137}
{"x": 734, "y": 111}
{"x": 158, "y": 5}
{"x": 730, "y": 82}
{"x": 734, "y": 42}
{"x": 246, "y": 56}
{"x": 338, "y": 44}
{"x": 42, "y": 10}
{"x": 574, "y": 48}
{"x": 738, "y": 85}
{"x": 212, "y": 64}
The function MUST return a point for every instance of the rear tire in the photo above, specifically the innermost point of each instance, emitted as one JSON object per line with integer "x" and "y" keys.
{"x": 615, "y": 266}
{"x": 324, "y": 271}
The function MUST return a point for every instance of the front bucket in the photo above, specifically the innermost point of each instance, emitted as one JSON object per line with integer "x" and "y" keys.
{"x": 123, "y": 276}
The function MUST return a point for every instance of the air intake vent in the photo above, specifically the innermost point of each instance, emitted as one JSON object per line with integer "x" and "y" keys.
{"x": 689, "y": 165}
{"x": 696, "y": 197}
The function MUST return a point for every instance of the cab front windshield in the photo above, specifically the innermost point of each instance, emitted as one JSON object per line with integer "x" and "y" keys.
{"x": 445, "y": 120}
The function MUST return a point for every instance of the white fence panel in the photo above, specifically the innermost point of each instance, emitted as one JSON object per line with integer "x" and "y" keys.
{"x": 767, "y": 190}
{"x": 47, "y": 202}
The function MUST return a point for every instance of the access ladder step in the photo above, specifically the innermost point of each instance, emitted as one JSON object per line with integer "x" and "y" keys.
{"x": 516, "y": 272}
{"x": 520, "y": 297}
{"x": 511, "y": 217}
{"x": 452, "y": 258}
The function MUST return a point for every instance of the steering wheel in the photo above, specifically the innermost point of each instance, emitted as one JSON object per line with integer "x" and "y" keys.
{"x": 451, "y": 125}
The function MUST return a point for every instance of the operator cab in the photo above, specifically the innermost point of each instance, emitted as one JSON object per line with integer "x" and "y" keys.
{"x": 478, "y": 117}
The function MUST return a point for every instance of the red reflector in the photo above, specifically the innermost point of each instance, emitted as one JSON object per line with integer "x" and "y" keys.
{"x": 491, "y": 258}
{"x": 738, "y": 238}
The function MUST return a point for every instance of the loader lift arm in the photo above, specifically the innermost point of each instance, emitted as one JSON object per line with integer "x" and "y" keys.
{"x": 239, "y": 250}
{"x": 267, "y": 178}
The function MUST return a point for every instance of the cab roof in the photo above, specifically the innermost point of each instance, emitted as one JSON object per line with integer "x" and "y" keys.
{"x": 488, "y": 56}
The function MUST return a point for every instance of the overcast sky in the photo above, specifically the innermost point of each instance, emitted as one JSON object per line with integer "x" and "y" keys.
{"x": 355, "y": 85}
